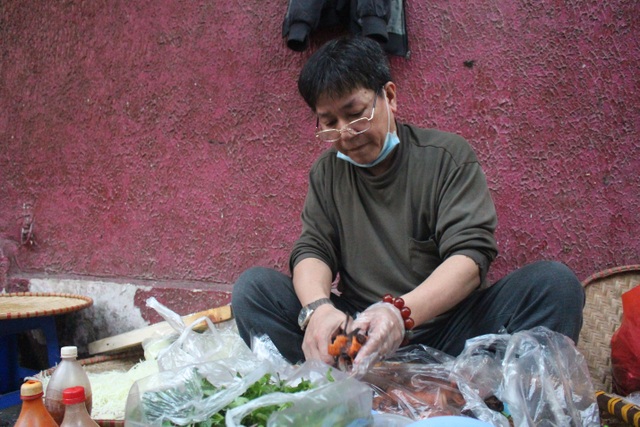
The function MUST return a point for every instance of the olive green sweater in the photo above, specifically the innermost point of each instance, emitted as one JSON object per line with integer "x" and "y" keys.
{"x": 387, "y": 233}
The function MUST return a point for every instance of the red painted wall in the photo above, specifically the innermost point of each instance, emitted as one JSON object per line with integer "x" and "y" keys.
{"x": 165, "y": 140}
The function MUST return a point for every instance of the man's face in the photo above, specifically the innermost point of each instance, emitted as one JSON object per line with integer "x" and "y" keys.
{"x": 336, "y": 113}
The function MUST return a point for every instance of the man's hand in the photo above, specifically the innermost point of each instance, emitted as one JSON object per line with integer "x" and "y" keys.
{"x": 385, "y": 328}
{"x": 325, "y": 323}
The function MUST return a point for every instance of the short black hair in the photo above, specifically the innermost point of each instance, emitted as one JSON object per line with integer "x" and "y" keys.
{"x": 342, "y": 65}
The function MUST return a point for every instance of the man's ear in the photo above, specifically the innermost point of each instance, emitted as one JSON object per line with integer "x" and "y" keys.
{"x": 390, "y": 92}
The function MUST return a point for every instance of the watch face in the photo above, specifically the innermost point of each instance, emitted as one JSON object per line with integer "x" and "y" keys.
{"x": 307, "y": 311}
{"x": 303, "y": 317}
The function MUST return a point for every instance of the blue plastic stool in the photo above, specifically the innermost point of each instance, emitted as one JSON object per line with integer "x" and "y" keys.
{"x": 11, "y": 373}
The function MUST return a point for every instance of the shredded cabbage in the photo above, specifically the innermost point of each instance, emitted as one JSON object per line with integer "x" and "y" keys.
{"x": 110, "y": 389}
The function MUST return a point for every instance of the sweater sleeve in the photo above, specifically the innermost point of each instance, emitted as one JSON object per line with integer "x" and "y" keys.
{"x": 318, "y": 238}
{"x": 466, "y": 214}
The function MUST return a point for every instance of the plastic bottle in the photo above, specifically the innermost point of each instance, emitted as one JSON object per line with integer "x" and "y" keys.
{"x": 33, "y": 412}
{"x": 75, "y": 414}
{"x": 68, "y": 373}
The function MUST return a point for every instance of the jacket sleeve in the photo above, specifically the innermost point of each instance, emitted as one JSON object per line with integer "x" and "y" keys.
{"x": 303, "y": 17}
{"x": 373, "y": 17}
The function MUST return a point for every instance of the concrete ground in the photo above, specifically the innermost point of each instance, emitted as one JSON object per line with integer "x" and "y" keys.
{"x": 9, "y": 416}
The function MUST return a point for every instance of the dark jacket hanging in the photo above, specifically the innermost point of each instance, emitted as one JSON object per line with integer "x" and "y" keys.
{"x": 382, "y": 20}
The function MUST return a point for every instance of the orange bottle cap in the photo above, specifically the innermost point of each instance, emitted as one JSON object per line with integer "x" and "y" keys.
{"x": 31, "y": 389}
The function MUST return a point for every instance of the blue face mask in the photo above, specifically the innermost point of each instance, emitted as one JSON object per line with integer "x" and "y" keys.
{"x": 390, "y": 143}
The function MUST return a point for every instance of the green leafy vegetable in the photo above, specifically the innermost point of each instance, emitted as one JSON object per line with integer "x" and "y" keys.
{"x": 267, "y": 385}
{"x": 158, "y": 404}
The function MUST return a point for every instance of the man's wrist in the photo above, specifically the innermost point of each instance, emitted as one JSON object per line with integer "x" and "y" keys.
{"x": 405, "y": 314}
{"x": 307, "y": 311}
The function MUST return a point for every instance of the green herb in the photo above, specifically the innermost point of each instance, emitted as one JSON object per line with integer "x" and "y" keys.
{"x": 267, "y": 385}
{"x": 176, "y": 401}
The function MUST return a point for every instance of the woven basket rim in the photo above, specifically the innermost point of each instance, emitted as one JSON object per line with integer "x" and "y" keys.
{"x": 94, "y": 360}
{"x": 610, "y": 272}
{"x": 72, "y": 302}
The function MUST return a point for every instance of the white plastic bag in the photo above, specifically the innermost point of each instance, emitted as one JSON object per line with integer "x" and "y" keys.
{"x": 184, "y": 396}
{"x": 193, "y": 347}
{"x": 342, "y": 402}
{"x": 539, "y": 374}
{"x": 208, "y": 392}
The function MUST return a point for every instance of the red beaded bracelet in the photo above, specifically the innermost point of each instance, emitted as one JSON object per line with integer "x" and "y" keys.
{"x": 404, "y": 311}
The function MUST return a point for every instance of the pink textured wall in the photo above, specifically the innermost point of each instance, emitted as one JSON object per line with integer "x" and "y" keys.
{"x": 165, "y": 140}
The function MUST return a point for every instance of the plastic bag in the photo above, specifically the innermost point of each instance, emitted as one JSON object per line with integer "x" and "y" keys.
{"x": 417, "y": 382}
{"x": 213, "y": 378}
{"x": 414, "y": 390}
{"x": 214, "y": 392}
{"x": 538, "y": 374}
{"x": 344, "y": 402}
{"x": 625, "y": 346}
{"x": 184, "y": 396}
{"x": 191, "y": 347}
{"x": 264, "y": 349}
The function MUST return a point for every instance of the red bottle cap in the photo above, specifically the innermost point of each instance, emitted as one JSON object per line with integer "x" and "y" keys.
{"x": 73, "y": 395}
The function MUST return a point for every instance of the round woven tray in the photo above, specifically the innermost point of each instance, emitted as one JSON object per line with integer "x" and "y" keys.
{"x": 20, "y": 305}
{"x": 602, "y": 316}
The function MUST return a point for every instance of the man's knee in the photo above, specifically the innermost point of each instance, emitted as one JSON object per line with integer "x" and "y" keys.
{"x": 563, "y": 295}
{"x": 559, "y": 281}
{"x": 258, "y": 286}
{"x": 248, "y": 278}
{"x": 247, "y": 286}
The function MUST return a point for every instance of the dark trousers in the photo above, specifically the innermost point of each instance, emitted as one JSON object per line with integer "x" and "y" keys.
{"x": 544, "y": 293}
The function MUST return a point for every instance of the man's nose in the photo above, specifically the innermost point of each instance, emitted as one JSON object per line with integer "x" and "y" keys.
{"x": 346, "y": 135}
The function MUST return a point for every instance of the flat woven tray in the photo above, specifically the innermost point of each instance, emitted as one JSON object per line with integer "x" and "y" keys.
{"x": 21, "y": 305}
{"x": 602, "y": 316}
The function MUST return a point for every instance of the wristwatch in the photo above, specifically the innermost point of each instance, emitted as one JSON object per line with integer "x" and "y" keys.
{"x": 307, "y": 311}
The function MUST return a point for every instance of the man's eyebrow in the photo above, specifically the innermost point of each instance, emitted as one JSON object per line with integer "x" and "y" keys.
{"x": 347, "y": 106}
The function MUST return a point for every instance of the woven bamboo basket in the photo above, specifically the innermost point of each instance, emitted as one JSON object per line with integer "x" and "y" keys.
{"x": 602, "y": 316}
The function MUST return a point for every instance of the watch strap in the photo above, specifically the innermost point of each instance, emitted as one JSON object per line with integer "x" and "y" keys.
{"x": 317, "y": 303}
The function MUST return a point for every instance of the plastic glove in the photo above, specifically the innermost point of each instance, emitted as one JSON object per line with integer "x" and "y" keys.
{"x": 383, "y": 324}
{"x": 325, "y": 323}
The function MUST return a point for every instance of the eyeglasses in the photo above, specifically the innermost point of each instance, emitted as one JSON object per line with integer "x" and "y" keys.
{"x": 355, "y": 127}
